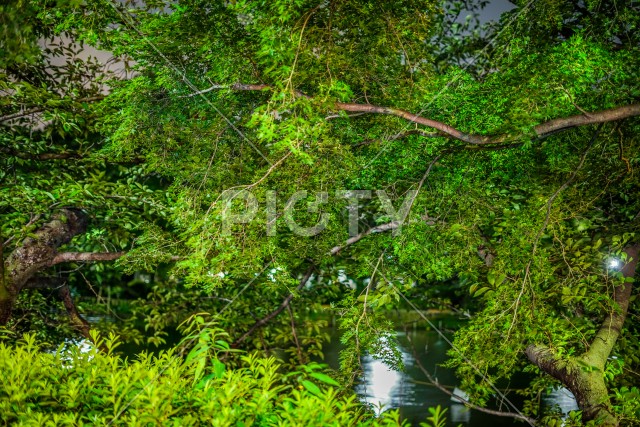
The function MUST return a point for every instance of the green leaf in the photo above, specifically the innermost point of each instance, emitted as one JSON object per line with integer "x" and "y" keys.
{"x": 312, "y": 388}
{"x": 324, "y": 378}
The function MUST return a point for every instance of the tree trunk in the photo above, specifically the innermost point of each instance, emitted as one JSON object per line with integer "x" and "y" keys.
{"x": 584, "y": 374}
{"x": 36, "y": 253}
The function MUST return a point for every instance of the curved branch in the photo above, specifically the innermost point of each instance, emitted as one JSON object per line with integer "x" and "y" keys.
{"x": 542, "y": 130}
{"x": 603, "y": 116}
{"x": 548, "y": 361}
{"x": 38, "y": 251}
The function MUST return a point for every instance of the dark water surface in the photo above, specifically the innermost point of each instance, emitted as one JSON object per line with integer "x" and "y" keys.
{"x": 411, "y": 392}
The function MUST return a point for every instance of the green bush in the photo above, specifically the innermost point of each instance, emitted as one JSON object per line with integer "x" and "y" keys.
{"x": 187, "y": 385}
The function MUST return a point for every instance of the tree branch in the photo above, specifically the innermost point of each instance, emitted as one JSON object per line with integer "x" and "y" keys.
{"x": 85, "y": 256}
{"x": 377, "y": 229}
{"x": 542, "y": 130}
{"x": 285, "y": 303}
{"x": 548, "y": 361}
{"x": 38, "y": 251}
{"x": 78, "y": 322}
{"x": 613, "y": 323}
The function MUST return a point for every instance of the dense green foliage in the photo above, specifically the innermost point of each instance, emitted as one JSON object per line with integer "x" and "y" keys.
{"x": 522, "y": 223}
{"x": 70, "y": 387}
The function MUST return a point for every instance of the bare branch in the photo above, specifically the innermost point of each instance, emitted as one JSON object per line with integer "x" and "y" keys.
{"x": 85, "y": 256}
{"x": 541, "y": 130}
{"x": 377, "y": 229}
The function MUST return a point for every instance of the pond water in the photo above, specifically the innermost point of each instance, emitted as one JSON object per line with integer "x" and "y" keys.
{"x": 411, "y": 392}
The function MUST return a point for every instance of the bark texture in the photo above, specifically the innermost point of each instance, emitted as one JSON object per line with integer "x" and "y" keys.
{"x": 37, "y": 253}
{"x": 583, "y": 375}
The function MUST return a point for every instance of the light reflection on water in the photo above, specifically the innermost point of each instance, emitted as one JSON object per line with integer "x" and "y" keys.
{"x": 383, "y": 387}
{"x": 563, "y": 399}
{"x": 410, "y": 393}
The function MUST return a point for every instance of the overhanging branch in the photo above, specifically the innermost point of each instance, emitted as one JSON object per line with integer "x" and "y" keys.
{"x": 541, "y": 130}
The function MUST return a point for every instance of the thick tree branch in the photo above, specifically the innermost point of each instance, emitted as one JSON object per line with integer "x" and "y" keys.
{"x": 583, "y": 375}
{"x": 613, "y": 323}
{"x": 603, "y": 116}
{"x": 38, "y": 252}
{"x": 285, "y": 303}
{"x": 548, "y": 361}
{"x": 541, "y": 130}
{"x": 85, "y": 256}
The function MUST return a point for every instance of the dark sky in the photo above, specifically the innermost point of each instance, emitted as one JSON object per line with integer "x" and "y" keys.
{"x": 494, "y": 9}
